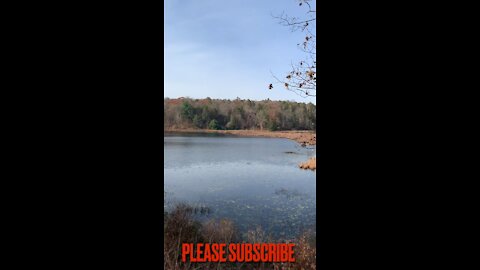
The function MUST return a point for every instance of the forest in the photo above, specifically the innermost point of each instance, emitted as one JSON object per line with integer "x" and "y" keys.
{"x": 238, "y": 114}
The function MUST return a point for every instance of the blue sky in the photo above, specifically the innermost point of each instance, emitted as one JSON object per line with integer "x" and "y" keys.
{"x": 228, "y": 49}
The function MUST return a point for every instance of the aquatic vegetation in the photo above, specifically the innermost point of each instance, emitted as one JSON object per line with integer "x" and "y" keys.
{"x": 180, "y": 227}
{"x": 288, "y": 193}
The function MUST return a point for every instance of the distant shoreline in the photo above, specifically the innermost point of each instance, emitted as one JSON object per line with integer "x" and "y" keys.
{"x": 304, "y": 137}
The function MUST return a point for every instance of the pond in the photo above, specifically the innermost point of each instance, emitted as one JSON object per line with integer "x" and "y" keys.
{"x": 252, "y": 181}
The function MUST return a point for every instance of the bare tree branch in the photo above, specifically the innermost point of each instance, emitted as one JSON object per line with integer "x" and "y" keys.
{"x": 302, "y": 79}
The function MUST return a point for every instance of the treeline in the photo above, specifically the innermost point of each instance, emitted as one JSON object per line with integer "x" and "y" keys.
{"x": 238, "y": 114}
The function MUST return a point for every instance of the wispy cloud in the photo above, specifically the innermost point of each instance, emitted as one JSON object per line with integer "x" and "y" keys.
{"x": 225, "y": 49}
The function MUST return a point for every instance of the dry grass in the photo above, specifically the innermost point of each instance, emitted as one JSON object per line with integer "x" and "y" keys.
{"x": 305, "y": 252}
{"x": 219, "y": 231}
{"x": 310, "y": 164}
{"x": 304, "y": 137}
{"x": 180, "y": 227}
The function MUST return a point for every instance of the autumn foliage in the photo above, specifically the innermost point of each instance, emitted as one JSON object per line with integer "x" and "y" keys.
{"x": 238, "y": 114}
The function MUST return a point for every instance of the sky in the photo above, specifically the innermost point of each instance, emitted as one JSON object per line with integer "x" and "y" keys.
{"x": 228, "y": 49}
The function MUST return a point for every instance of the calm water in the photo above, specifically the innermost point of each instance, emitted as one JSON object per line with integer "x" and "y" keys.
{"x": 252, "y": 181}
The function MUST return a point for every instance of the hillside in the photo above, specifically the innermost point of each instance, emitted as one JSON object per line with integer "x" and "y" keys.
{"x": 215, "y": 114}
